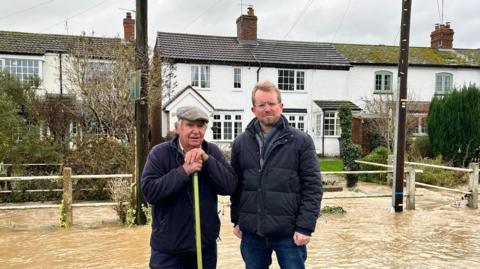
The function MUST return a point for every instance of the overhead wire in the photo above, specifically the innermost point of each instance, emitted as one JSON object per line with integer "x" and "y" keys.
{"x": 74, "y": 15}
{"x": 26, "y": 9}
{"x": 300, "y": 15}
{"x": 199, "y": 16}
{"x": 341, "y": 21}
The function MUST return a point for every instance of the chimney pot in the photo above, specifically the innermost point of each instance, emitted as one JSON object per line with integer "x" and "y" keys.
{"x": 250, "y": 11}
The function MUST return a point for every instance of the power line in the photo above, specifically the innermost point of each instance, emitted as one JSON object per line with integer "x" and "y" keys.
{"x": 341, "y": 21}
{"x": 200, "y": 15}
{"x": 75, "y": 15}
{"x": 300, "y": 15}
{"x": 26, "y": 9}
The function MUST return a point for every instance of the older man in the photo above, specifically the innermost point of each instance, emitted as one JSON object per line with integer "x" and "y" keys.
{"x": 167, "y": 186}
{"x": 277, "y": 202}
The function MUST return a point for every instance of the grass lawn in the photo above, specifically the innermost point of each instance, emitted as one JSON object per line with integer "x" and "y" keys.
{"x": 331, "y": 165}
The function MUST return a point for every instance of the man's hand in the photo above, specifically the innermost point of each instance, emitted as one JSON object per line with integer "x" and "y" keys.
{"x": 300, "y": 239}
{"x": 194, "y": 155}
{"x": 192, "y": 167}
{"x": 237, "y": 232}
{"x": 194, "y": 159}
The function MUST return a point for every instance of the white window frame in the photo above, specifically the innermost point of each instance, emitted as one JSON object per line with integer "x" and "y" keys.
{"x": 381, "y": 85}
{"x": 291, "y": 80}
{"x": 98, "y": 69}
{"x": 443, "y": 82}
{"x": 421, "y": 124}
{"x": 318, "y": 125}
{"x": 336, "y": 124}
{"x": 297, "y": 120}
{"x": 237, "y": 78}
{"x": 200, "y": 76}
{"x": 22, "y": 77}
{"x": 226, "y": 126}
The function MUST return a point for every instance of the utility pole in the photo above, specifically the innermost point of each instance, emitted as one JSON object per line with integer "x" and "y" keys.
{"x": 141, "y": 104}
{"x": 399, "y": 150}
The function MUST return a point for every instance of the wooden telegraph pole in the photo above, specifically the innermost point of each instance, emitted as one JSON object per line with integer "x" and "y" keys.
{"x": 141, "y": 104}
{"x": 399, "y": 150}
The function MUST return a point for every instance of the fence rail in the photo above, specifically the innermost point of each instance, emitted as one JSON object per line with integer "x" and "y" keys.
{"x": 473, "y": 172}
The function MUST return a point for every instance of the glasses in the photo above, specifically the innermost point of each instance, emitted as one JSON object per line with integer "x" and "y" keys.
{"x": 264, "y": 105}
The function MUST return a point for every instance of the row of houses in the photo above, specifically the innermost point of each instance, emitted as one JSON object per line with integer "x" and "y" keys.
{"x": 217, "y": 74}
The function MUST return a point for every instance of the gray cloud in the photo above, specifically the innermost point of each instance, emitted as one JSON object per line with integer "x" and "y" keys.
{"x": 366, "y": 22}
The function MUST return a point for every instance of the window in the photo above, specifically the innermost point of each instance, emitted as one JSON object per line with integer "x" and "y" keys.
{"x": 226, "y": 126}
{"x": 331, "y": 124}
{"x": 420, "y": 125}
{"x": 318, "y": 123}
{"x": 201, "y": 76}
{"x": 97, "y": 69}
{"x": 237, "y": 78}
{"x": 23, "y": 69}
{"x": 296, "y": 121}
{"x": 290, "y": 80}
{"x": 443, "y": 82}
{"x": 383, "y": 81}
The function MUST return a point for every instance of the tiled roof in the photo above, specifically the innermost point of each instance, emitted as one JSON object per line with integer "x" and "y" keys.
{"x": 334, "y": 105}
{"x": 39, "y": 44}
{"x": 203, "y": 48}
{"x": 381, "y": 54}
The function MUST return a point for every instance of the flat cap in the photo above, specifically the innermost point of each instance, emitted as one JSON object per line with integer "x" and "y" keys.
{"x": 191, "y": 113}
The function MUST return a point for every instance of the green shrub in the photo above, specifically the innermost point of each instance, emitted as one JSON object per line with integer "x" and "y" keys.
{"x": 440, "y": 177}
{"x": 419, "y": 148}
{"x": 349, "y": 152}
{"x": 378, "y": 155}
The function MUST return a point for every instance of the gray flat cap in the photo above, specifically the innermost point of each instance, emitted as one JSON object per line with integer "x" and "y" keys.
{"x": 191, "y": 113}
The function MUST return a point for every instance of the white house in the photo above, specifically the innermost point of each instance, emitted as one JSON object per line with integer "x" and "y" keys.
{"x": 217, "y": 73}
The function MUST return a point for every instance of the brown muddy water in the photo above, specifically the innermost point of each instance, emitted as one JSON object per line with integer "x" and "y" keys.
{"x": 440, "y": 233}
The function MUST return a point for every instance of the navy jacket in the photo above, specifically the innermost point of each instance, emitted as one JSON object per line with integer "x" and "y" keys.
{"x": 282, "y": 196}
{"x": 169, "y": 190}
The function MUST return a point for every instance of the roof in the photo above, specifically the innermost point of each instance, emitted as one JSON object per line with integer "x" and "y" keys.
{"x": 220, "y": 49}
{"x": 39, "y": 44}
{"x": 334, "y": 105}
{"x": 188, "y": 87}
{"x": 389, "y": 55}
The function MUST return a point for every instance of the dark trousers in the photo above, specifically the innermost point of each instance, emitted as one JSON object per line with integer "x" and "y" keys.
{"x": 162, "y": 260}
{"x": 257, "y": 252}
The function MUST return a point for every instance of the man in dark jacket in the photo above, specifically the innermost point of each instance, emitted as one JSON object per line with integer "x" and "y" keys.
{"x": 277, "y": 201}
{"x": 167, "y": 186}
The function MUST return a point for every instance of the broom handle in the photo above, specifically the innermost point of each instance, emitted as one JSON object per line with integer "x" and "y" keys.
{"x": 198, "y": 235}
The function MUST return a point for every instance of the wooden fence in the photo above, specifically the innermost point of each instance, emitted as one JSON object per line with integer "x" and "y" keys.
{"x": 471, "y": 194}
{"x": 66, "y": 178}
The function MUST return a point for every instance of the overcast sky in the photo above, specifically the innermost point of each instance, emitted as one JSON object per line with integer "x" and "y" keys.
{"x": 339, "y": 21}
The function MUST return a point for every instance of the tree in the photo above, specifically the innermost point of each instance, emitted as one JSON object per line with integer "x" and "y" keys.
{"x": 20, "y": 140}
{"x": 349, "y": 152}
{"x": 454, "y": 125}
{"x": 380, "y": 112}
{"x": 100, "y": 77}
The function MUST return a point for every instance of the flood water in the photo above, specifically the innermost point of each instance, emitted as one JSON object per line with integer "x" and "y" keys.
{"x": 440, "y": 233}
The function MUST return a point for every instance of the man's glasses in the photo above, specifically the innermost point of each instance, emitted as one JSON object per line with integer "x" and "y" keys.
{"x": 264, "y": 105}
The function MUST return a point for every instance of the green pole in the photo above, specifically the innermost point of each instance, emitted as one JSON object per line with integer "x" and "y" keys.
{"x": 198, "y": 235}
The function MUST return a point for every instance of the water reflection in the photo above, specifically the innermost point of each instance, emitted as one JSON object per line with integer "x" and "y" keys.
{"x": 436, "y": 235}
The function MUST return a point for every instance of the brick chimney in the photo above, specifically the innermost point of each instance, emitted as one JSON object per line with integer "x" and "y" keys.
{"x": 247, "y": 28}
{"x": 129, "y": 28}
{"x": 442, "y": 37}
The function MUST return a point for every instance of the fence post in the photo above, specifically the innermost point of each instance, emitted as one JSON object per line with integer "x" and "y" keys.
{"x": 67, "y": 195}
{"x": 411, "y": 187}
{"x": 389, "y": 175}
{"x": 473, "y": 186}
